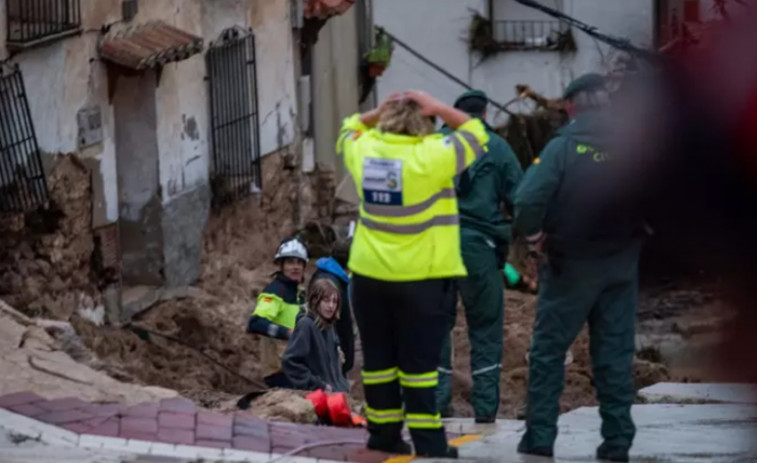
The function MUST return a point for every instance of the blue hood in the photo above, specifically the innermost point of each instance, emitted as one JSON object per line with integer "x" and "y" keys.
{"x": 329, "y": 264}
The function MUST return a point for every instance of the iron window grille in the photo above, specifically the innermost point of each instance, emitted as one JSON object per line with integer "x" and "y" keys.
{"x": 529, "y": 34}
{"x": 234, "y": 120}
{"x": 30, "y": 22}
{"x": 22, "y": 179}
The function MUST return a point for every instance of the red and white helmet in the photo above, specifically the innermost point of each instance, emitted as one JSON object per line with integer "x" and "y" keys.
{"x": 291, "y": 248}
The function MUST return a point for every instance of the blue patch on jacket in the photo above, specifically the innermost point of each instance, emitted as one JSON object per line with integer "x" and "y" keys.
{"x": 329, "y": 264}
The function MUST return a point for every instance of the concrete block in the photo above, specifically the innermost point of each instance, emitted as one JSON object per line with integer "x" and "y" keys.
{"x": 706, "y": 392}
{"x": 161, "y": 449}
{"x": 90, "y": 441}
{"x": 138, "y": 446}
{"x": 240, "y": 455}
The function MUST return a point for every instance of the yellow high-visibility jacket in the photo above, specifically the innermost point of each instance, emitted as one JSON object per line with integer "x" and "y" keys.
{"x": 409, "y": 226}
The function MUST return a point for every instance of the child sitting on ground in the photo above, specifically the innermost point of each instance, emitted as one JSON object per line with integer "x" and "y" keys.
{"x": 312, "y": 358}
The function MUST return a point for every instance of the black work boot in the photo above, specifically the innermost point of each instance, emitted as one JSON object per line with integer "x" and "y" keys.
{"x": 486, "y": 419}
{"x": 451, "y": 453}
{"x": 397, "y": 447}
{"x": 538, "y": 451}
{"x": 388, "y": 438}
{"x": 610, "y": 452}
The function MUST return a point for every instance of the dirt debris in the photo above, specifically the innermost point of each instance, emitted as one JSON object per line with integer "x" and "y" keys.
{"x": 519, "y": 317}
{"x": 284, "y": 405}
{"x": 45, "y": 257}
{"x": 40, "y": 364}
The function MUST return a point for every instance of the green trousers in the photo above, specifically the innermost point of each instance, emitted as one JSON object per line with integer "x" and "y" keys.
{"x": 482, "y": 292}
{"x": 602, "y": 292}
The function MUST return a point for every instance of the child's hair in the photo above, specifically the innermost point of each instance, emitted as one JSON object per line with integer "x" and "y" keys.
{"x": 319, "y": 290}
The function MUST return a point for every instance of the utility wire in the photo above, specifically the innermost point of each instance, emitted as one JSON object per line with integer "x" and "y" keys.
{"x": 438, "y": 68}
{"x": 615, "y": 42}
{"x": 145, "y": 334}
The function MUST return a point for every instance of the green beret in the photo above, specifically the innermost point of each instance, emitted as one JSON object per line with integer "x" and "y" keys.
{"x": 478, "y": 94}
{"x": 586, "y": 82}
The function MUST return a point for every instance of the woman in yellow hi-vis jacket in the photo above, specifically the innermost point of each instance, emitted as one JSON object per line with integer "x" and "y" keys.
{"x": 405, "y": 251}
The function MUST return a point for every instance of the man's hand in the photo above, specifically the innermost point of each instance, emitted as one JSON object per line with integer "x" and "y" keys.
{"x": 328, "y": 389}
{"x": 342, "y": 358}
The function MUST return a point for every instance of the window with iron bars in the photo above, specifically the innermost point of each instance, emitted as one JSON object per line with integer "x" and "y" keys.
{"x": 234, "y": 121}
{"x": 22, "y": 178}
{"x": 30, "y": 22}
{"x": 529, "y": 34}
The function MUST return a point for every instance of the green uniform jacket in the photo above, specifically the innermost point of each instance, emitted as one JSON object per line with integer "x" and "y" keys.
{"x": 567, "y": 195}
{"x": 485, "y": 185}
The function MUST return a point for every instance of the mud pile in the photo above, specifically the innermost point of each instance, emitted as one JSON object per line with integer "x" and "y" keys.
{"x": 519, "y": 318}
{"x": 45, "y": 257}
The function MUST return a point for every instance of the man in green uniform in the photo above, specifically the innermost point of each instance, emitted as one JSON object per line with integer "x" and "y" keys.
{"x": 591, "y": 239}
{"x": 482, "y": 189}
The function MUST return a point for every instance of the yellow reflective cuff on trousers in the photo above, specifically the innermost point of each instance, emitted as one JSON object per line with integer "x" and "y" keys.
{"x": 383, "y": 416}
{"x": 422, "y": 380}
{"x": 372, "y": 378}
{"x": 423, "y": 421}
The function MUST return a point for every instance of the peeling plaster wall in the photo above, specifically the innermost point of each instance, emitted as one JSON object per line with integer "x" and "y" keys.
{"x": 546, "y": 72}
{"x": 61, "y": 78}
{"x": 335, "y": 85}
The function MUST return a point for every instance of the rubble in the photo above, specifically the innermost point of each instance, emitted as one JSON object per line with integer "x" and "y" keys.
{"x": 41, "y": 363}
{"x": 45, "y": 257}
{"x": 284, "y": 405}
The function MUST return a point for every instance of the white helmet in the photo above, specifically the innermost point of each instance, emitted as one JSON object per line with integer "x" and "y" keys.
{"x": 291, "y": 248}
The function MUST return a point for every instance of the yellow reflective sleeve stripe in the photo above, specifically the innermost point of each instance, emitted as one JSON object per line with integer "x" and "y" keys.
{"x": 410, "y": 229}
{"x": 460, "y": 165}
{"x": 478, "y": 148}
{"x": 406, "y": 211}
{"x": 380, "y": 377}
{"x": 384, "y": 416}
{"x": 423, "y": 421}
{"x": 430, "y": 379}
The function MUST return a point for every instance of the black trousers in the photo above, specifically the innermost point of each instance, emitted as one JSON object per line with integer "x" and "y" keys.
{"x": 402, "y": 326}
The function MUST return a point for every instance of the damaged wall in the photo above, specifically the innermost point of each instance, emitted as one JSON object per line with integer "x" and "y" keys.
{"x": 74, "y": 78}
{"x": 547, "y": 72}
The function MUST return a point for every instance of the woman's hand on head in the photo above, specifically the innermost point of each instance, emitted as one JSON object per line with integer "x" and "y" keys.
{"x": 430, "y": 106}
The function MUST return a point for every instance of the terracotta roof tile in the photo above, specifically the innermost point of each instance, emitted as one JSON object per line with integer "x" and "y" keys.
{"x": 323, "y": 9}
{"x": 149, "y": 45}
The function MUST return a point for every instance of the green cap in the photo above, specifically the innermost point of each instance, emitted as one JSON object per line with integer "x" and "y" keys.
{"x": 586, "y": 82}
{"x": 477, "y": 94}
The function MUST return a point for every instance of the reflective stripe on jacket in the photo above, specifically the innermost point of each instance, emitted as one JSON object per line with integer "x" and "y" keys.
{"x": 409, "y": 228}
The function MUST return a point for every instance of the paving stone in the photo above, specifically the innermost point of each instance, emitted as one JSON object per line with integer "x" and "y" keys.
{"x": 260, "y": 431}
{"x": 218, "y": 444}
{"x": 176, "y": 420}
{"x": 133, "y": 424}
{"x": 254, "y": 444}
{"x": 331, "y": 452}
{"x": 214, "y": 419}
{"x": 245, "y": 419}
{"x": 143, "y": 410}
{"x": 111, "y": 427}
{"x": 178, "y": 404}
{"x": 95, "y": 422}
{"x": 247, "y": 456}
{"x": 63, "y": 417}
{"x": 221, "y": 433}
{"x": 367, "y": 456}
{"x": 19, "y": 398}
{"x": 177, "y": 436}
{"x": 60, "y": 405}
{"x": 30, "y": 410}
{"x": 104, "y": 410}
